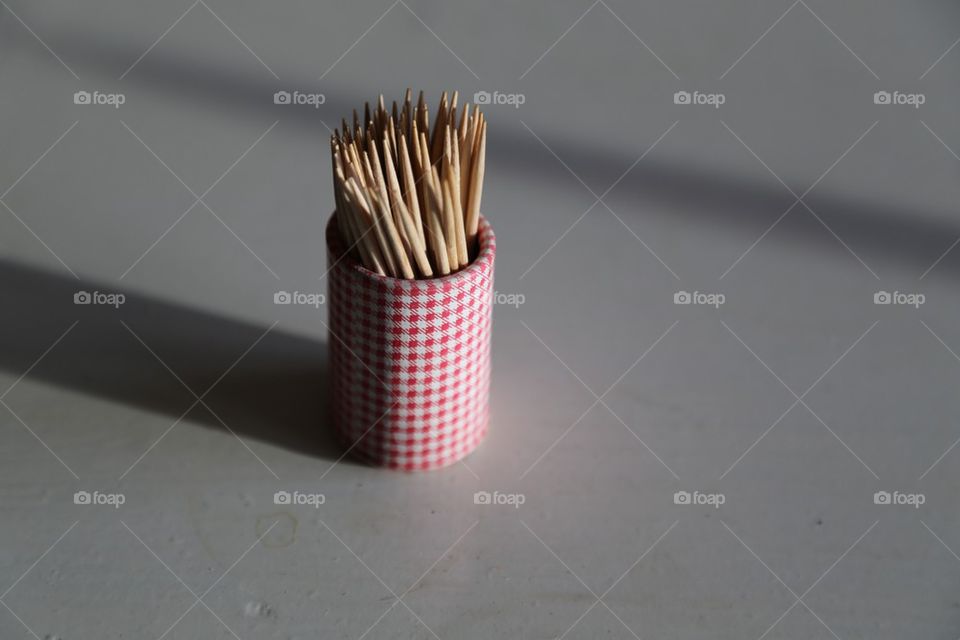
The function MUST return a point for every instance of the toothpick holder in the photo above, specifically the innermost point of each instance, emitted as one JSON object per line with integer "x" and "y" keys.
{"x": 410, "y": 359}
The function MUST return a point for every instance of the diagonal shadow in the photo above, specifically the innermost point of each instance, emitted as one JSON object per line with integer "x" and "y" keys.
{"x": 704, "y": 196}
{"x": 276, "y": 394}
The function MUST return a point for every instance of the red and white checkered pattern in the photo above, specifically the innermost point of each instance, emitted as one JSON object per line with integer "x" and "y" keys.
{"x": 410, "y": 359}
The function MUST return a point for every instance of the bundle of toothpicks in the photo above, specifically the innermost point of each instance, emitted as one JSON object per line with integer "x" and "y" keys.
{"x": 408, "y": 198}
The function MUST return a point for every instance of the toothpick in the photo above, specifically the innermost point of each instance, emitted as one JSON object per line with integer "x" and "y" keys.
{"x": 436, "y": 141}
{"x": 451, "y": 171}
{"x": 422, "y": 117}
{"x": 405, "y": 111}
{"x": 476, "y": 184}
{"x": 410, "y": 188}
{"x": 381, "y": 184}
{"x": 374, "y": 245}
{"x": 466, "y": 155}
{"x": 361, "y": 239}
{"x": 393, "y": 235}
{"x": 379, "y": 217}
{"x": 412, "y": 237}
{"x": 434, "y": 210}
{"x": 449, "y": 228}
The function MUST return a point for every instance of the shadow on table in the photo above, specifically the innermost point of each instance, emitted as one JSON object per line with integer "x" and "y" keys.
{"x": 705, "y": 196}
{"x": 275, "y": 390}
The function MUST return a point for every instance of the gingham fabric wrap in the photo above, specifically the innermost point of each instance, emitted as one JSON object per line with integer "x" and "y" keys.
{"x": 410, "y": 359}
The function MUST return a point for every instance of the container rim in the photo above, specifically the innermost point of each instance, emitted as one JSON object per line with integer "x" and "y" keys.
{"x": 481, "y": 263}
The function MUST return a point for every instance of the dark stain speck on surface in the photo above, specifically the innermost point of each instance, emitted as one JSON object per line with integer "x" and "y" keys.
{"x": 276, "y": 530}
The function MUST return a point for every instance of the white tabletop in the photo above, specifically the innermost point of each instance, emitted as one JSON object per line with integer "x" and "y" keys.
{"x": 783, "y": 408}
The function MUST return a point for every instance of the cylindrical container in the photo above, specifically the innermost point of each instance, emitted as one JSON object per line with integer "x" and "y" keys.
{"x": 410, "y": 359}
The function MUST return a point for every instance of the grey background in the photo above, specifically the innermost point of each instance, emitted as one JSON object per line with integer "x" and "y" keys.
{"x": 797, "y": 399}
